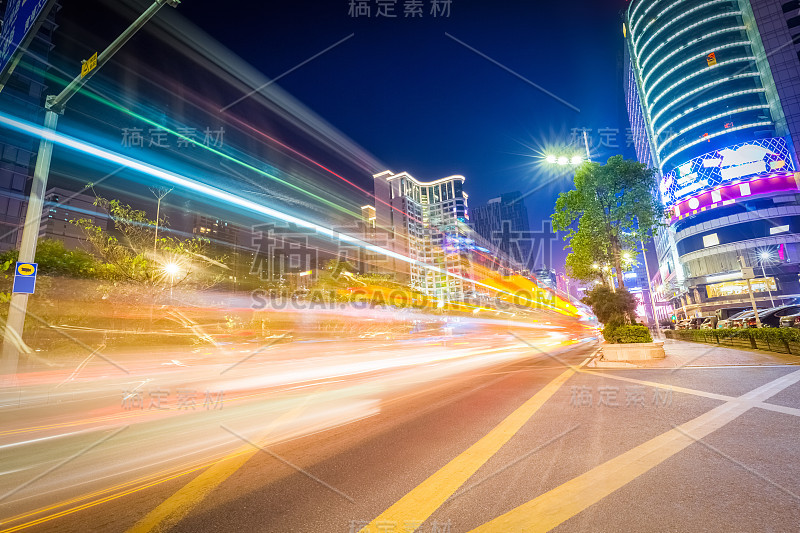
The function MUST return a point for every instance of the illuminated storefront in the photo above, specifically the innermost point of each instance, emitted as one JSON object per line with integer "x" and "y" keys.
{"x": 739, "y": 288}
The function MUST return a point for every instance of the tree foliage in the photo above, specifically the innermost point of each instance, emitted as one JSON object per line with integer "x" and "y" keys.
{"x": 611, "y": 208}
{"x": 610, "y": 307}
{"x": 54, "y": 259}
{"x": 131, "y": 252}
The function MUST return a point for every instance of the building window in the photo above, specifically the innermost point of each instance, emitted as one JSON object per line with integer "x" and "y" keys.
{"x": 778, "y": 229}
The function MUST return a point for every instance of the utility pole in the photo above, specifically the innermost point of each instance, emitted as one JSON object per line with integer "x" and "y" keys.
{"x": 54, "y": 106}
{"x": 650, "y": 290}
{"x": 747, "y": 276}
{"x": 761, "y": 260}
{"x": 160, "y": 194}
{"x": 586, "y": 144}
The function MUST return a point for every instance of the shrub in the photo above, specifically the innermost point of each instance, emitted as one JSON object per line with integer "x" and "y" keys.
{"x": 773, "y": 335}
{"x": 627, "y": 334}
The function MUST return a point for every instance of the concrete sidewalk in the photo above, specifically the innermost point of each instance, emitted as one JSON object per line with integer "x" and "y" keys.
{"x": 696, "y": 354}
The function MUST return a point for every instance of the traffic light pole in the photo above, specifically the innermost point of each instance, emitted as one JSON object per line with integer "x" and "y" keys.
{"x": 54, "y": 105}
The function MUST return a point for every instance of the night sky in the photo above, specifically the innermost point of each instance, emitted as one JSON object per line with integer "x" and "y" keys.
{"x": 420, "y": 101}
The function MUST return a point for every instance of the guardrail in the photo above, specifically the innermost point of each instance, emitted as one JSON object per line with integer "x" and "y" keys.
{"x": 780, "y": 340}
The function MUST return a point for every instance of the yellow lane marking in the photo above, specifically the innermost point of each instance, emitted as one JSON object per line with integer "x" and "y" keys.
{"x": 422, "y": 501}
{"x": 565, "y": 501}
{"x": 176, "y": 507}
{"x": 126, "y": 488}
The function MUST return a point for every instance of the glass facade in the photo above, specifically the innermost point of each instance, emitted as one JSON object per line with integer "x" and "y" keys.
{"x": 714, "y": 102}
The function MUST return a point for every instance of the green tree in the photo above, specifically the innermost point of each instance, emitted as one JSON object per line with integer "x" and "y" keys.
{"x": 129, "y": 253}
{"x": 611, "y": 208}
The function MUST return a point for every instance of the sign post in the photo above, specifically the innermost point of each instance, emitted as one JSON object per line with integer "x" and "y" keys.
{"x": 24, "y": 278}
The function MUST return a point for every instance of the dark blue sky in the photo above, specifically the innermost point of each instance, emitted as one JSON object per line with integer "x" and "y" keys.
{"x": 422, "y": 102}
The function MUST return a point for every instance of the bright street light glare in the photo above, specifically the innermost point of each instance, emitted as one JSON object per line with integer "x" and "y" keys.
{"x": 563, "y": 160}
{"x": 765, "y": 255}
{"x": 171, "y": 268}
{"x": 551, "y": 159}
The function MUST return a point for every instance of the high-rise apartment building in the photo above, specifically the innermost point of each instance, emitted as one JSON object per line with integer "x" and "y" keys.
{"x": 713, "y": 95}
{"x": 428, "y": 223}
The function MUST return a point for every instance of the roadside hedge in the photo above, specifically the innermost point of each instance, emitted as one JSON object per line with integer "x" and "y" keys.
{"x": 630, "y": 334}
{"x": 782, "y": 340}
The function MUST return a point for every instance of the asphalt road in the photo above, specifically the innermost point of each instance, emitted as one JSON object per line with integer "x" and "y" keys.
{"x": 535, "y": 443}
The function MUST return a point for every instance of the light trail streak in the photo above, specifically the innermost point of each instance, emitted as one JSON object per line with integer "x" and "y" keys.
{"x": 109, "y": 103}
{"x": 229, "y": 198}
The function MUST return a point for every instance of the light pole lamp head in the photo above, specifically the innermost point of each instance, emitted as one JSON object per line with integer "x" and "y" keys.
{"x": 172, "y": 268}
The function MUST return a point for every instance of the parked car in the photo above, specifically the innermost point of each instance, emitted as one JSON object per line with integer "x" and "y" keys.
{"x": 691, "y": 323}
{"x": 790, "y": 321}
{"x": 771, "y": 318}
{"x": 738, "y": 320}
{"x": 728, "y": 322}
{"x": 698, "y": 321}
{"x": 710, "y": 322}
{"x": 727, "y": 313}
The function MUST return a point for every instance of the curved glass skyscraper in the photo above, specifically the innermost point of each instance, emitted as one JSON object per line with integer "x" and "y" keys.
{"x": 713, "y": 88}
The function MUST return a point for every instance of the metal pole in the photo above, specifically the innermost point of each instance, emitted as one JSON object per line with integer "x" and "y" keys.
{"x": 586, "y": 144}
{"x": 650, "y": 290}
{"x": 30, "y": 229}
{"x": 764, "y": 273}
{"x": 59, "y": 102}
{"x": 18, "y": 306}
{"x": 753, "y": 302}
{"x": 752, "y": 298}
{"x": 155, "y": 238}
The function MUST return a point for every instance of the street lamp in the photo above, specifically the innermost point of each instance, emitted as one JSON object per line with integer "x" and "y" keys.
{"x": 172, "y": 269}
{"x": 563, "y": 160}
